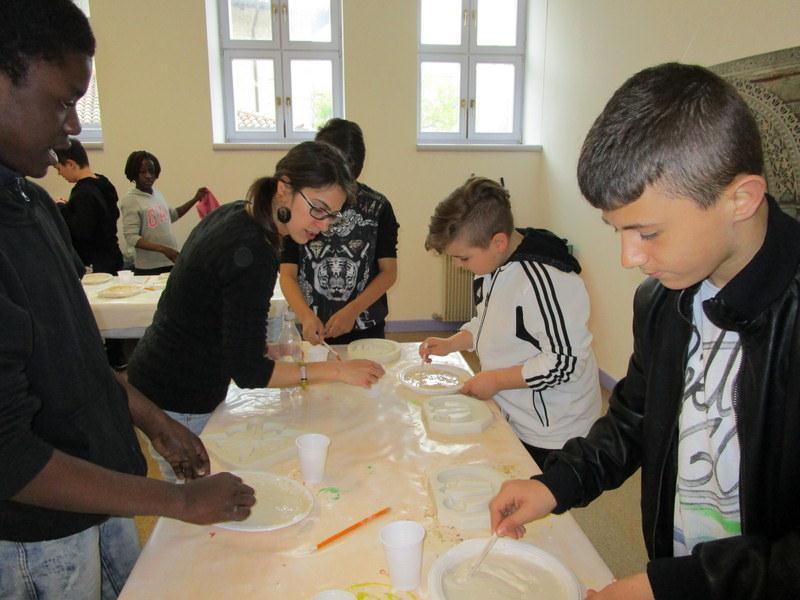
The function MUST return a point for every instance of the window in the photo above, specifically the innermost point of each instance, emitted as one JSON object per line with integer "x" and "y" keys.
{"x": 471, "y": 70}
{"x": 280, "y": 66}
{"x": 88, "y": 106}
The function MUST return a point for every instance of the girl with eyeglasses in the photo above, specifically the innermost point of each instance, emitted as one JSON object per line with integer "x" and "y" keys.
{"x": 210, "y": 325}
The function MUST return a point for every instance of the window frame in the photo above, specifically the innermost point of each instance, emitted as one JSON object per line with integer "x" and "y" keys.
{"x": 281, "y": 51}
{"x": 469, "y": 54}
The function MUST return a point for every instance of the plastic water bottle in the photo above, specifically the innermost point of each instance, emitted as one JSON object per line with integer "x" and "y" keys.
{"x": 290, "y": 349}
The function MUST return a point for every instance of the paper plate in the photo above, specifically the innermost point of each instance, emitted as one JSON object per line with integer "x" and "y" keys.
{"x": 123, "y": 290}
{"x": 433, "y": 378}
{"x": 522, "y": 552}
{"x": 95, "y": 278}
{"x": 280, "y": 502}
{"x": 377, "y": 349}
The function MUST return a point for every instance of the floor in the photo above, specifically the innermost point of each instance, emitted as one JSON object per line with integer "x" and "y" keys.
{"x": 612, "y": 522}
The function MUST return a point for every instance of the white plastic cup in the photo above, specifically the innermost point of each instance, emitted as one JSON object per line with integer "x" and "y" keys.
{"x": 312, "y": 449}
{"x": 318, "y": 353}
{"x": 125, "y": 276}
{"x": 402, "y": 543}
{"x": 334, "y": 595}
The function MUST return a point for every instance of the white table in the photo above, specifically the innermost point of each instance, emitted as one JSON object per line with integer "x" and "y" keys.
{"x": 380, "y": 455}
{"x": 129, "y": 317}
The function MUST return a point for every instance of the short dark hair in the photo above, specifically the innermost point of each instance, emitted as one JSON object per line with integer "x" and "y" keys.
{"x": 475, "y": 212}
{"x": 134, "y": 164}
{"x": 46, "y": 30}
{"x": 347, "y": 137}
{"x": 679, "y": 127}
{"x": 75, "y": 152}
{"x": 310, "y": 164}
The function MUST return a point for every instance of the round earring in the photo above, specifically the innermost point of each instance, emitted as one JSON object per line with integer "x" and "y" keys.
{"x": 284, "y": 214}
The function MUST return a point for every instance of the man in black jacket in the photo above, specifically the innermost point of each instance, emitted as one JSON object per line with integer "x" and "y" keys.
{"x": 69, "y": 457}
{"x": 709, "y": 407}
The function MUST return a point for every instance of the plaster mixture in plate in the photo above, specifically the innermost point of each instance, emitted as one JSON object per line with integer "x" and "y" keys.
{"x": 502, "y": 577}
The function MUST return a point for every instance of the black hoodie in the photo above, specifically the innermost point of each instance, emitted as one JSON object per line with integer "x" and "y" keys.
{"x": 91, "y": 215}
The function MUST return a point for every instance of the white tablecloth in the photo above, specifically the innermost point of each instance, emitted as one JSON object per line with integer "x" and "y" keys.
{"x": 129, "y": 317}
{"x": 380, "y": 455}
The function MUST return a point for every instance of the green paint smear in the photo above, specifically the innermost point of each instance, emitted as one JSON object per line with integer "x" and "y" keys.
{"x": 333, "y": 491}
{"x": 730, "y": 526}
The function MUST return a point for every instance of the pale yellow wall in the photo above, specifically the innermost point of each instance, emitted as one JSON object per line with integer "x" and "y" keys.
{"x": 154, "y": 92}
{"x": 592, "y": 47}
{"x": 153, "y": 78}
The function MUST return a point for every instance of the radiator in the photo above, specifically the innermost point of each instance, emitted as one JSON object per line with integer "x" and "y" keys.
{"x": 458, "y": 301}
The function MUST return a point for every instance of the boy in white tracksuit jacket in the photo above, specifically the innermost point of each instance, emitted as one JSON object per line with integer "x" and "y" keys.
{"x": 530, "y": 331}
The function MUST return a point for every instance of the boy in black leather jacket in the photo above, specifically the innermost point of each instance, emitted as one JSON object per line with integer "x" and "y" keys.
{"x": 709, "y": 406}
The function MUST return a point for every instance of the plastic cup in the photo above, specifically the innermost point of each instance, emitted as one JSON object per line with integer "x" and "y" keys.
{"x": 334, "y": 595}
{"x": 402, "y": 543}
{"x": 313, "y": 450}
{"x": 125, "y": 276}
{"x": 311, "y": 353}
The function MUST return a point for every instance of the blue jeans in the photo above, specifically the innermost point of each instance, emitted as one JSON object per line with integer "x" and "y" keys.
{"x": 194, "y": 423}
{"x": 90, "y": 565}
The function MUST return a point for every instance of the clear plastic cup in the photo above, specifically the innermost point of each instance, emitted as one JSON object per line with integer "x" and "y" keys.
{"x": 334, "y": 595}
{"x": 402, "y": 543}
{"x": 312, "y": 448}
{"x": 311, "y": 353}
{"x": 125, "y": 276}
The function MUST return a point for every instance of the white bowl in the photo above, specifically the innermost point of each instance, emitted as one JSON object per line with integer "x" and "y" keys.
{"x": 470, "y": 549}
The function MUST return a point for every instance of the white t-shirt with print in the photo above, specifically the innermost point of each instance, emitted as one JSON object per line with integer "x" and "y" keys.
{"x": 707, "y": 490}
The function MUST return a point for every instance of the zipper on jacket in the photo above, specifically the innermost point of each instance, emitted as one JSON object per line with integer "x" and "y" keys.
{"x": 672, "y": 431}
{"x": 742, "y": 462}
{"x": 495, "y": 275}
{"x": 18, "y": 185}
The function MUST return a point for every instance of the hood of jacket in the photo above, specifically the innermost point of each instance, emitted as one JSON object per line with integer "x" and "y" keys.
{"x": 543, "y": 246}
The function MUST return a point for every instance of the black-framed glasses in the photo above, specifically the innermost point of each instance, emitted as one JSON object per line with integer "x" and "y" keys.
{"x": 320, "y": 213}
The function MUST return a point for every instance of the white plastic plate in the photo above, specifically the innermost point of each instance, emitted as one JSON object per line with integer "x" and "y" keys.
{"x": 280, "y": 502}
{"x": 377, "y": 349}
{"x": 95, "y": 278}
{"x": 433, "y": 378}
{"x": 122, "y": 290}
{"x": 470, "y": 549}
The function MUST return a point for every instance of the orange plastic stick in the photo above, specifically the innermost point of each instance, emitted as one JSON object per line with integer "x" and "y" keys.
{"x": 352, "y": 527}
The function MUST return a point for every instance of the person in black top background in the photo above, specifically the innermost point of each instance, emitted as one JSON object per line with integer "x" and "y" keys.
{"x": 91, "y": 212}
{"x": 91, "y": 215}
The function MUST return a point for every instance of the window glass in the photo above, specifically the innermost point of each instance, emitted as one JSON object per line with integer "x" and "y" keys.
{"x": 440, "y": 85}
{"x": 254, "y": 94}
{"x": 440, "y": 22}
{"x": 312, "y": 94}
{"x": 310, "y": 21}
{"x": 494, "y": 98}
{"x": 497, "y": 23}
{"x": 88, "y": 106}
{"x": 250, "y": 19}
